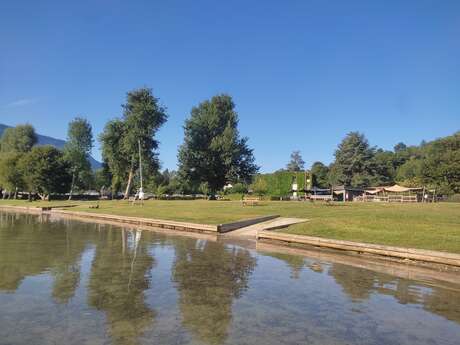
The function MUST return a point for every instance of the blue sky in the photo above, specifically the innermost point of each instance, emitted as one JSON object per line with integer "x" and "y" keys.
{"x": 302, "y": 73}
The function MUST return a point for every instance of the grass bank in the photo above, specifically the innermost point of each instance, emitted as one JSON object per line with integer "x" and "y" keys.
{"x": 424, "y": 226}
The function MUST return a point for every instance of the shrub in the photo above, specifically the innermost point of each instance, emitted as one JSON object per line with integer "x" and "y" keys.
{"x": 238, "y": 188}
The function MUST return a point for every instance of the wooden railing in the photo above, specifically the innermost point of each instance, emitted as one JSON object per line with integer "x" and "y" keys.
{"x": 386, "y": 198}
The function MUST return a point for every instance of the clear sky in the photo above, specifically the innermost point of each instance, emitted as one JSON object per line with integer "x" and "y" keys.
{"x": 302, "y": 73}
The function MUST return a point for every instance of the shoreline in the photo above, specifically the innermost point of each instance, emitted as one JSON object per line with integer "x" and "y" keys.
{"x": 419, "y": 257}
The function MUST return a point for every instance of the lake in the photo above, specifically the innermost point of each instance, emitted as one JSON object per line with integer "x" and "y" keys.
{"x": 65, "y": 281}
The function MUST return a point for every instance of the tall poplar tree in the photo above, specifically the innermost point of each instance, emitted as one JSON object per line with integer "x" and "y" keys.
{"x": 142, "y": 117}
{"x": 112, "y": 152}
{"x": 77, "y": 150}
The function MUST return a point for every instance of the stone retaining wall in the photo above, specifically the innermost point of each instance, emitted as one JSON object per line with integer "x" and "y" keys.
{"x": 397, "y": 252}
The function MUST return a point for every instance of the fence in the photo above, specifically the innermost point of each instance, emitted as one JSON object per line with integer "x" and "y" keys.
{"x": 386, "y": 198}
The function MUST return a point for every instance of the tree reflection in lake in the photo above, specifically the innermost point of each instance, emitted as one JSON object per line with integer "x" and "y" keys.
{"x": 209, "y": 277}
{"x": 49, "y": 247}
{"x": 360, "y": 284}
{"x": 72, "y": 282}
{"x": 296, "y": 263}
{"x": 120, "y": 275}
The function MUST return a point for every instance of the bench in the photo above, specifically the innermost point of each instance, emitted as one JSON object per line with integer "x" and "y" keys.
{"x": 251, "y": 200}
{"x": 326, "y": 198}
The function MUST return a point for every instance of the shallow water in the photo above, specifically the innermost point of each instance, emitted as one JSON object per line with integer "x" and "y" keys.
{"x": 69, "y": 282}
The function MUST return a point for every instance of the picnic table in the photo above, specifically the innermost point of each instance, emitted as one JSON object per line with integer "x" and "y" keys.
{"x": 251, "y": 200}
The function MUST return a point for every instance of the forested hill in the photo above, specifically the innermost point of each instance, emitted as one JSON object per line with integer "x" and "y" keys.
{"x": 45, "y": 140}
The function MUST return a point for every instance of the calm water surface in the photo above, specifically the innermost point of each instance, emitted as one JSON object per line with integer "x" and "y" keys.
{"x": 69, "y": 282}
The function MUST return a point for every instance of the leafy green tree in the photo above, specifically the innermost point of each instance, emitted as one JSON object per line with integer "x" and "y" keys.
{"x": 103, "y": 178}
{"x": 203, "y": 188}
{"x": 410, "y": 173}
{"x": 434, "y": 164}
{"x": 18, "y": 139}
{"x": 112, "y": 153}
{"x": 400, "y": 147}
{"x": 296, "y": 163}
{"x": 175, "y": 185}
{"x": 11, "y": 177}
{"x": 166, "y": 176}
{"x": 320, "y": 172}
{"x": 168, "y": 182}
{"x": 142, "y": 117}
{"x": 403, "y": 153}
{"x": 213, "y": 151}
{"x": 384, "y": 168}
{"x": 354, "y": 165}
{"x": 45, "y": 171}
{"x": 334, "y": 175}
{"x": 259, "y": 186}
{"x": 441, "y": 164}
{"x": 163, "y": 189}
{"x": 77, "y": 150}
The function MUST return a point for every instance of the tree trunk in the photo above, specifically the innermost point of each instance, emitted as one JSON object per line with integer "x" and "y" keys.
{"x": 130, "y": 179}
{"x": 15, "y": 193}
{"x": 71, "y": 186}
{"x": 128, "y": 186}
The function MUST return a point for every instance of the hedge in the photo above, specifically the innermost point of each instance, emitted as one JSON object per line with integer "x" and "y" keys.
{"x": 279, "y": 184}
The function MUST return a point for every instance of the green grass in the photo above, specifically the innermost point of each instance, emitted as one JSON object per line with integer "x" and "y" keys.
{"x": 426, "y": 226}
{"x": 37, "y": 203}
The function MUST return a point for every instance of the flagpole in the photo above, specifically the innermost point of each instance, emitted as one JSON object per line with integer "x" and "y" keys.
{"x": 140, "y": 164}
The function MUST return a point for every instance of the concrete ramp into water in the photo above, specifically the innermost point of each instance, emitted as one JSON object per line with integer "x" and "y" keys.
{"x": 278, "y": 223}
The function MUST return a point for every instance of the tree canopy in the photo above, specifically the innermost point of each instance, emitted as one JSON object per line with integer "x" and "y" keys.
{"x": 319, "y": 173}
{"x": 434, "y": 164}
{"x": 77, "y": 150}
{"x": 142, "y": 117}
{"x": 18, "y": 139}
{"x": 112, "y": 152}
{"x": 45, "y": 171}
{"x": 353, "y": 165}
{"x": 213, "y": 151}
{"x": 212, "y": 154}
{"x": 296, "y": 163}
{"x": 441, "y": 164}
{"x": 11, "y": 177}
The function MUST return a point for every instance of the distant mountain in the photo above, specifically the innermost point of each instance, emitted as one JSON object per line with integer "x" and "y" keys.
{"x": 45, "y": 140}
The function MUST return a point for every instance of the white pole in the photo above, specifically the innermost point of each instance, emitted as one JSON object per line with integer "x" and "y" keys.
{"x": 140, "y": 163}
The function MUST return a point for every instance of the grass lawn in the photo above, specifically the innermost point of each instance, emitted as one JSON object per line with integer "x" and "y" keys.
{"x": 427, "y": 226}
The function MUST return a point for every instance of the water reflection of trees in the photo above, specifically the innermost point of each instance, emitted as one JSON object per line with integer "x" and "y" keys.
{"x": 119, "y": 276}
{"x": 31, "y": 245}
{"x": 295, "y": 262}
{"x": 208, "y": 277}
{"x": 360, "y": 284}
{"x": 34, "y": 245}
